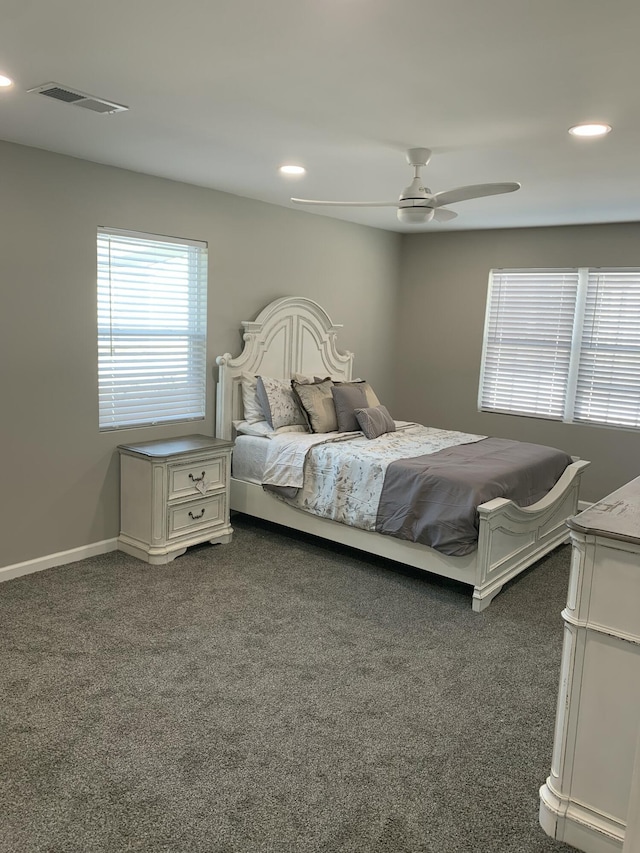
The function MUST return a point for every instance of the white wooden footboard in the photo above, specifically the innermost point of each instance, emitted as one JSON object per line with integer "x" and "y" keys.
{"x": 512, "y": 538}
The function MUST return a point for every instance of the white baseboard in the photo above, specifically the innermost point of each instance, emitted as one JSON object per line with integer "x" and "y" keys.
{"x": 578, "y": 825}
{"x": 75, "y": 554}
{"x": 59, "y": 559}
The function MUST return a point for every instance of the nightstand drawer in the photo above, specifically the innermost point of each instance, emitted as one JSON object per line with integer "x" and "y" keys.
{"x": 197, "y": 515}
{"x": 186, "y": 480}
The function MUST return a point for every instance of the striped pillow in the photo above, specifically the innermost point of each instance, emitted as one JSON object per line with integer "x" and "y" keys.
{"x": 375, "y": 421}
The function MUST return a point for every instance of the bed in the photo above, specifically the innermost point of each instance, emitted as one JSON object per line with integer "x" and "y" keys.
{"x": 294, "y": 336}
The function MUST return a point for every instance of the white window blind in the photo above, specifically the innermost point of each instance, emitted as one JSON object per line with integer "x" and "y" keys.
{"x": 527, "y": 347}
{"x": 608, "y": 386}
{"x": 152, "y": 295}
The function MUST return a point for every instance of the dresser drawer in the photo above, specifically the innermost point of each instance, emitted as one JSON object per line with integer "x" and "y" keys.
{"x": 185, "y": 480}
{"x": 197, "y": 515}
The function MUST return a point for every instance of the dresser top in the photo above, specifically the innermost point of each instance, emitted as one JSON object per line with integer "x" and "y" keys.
{"x": 162, "y": 448}
{"x": 616, "y": 516}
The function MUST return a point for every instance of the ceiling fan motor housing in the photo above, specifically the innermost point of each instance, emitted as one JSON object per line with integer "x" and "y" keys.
{"x": 415, "y": 215}
{"x": 412, "y": 207}
{"x": 416, "y": 191}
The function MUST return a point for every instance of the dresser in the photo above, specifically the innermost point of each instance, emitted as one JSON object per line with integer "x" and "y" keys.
{"x": 632, "y": 833}
{"x": 585, "y": 802}
{"x": 173, "y": 493}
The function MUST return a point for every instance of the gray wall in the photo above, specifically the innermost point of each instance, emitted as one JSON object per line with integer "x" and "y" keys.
{"x": 59, "y": 474}
{"x": 441, "y": 308}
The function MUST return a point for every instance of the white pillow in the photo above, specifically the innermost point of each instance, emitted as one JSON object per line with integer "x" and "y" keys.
{"x": 255, "y": 428}
{"x": 263, "y": 428}
{"x": 250, "y": 403}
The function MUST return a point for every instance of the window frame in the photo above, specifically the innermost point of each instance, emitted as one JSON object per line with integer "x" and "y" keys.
{"x": 153, "y": 351}
{"x": 574, "y": 395}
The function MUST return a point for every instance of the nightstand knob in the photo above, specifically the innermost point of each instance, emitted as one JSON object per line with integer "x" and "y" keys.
{"x": 191, "y": 515}
{"x": 196, "y": 479}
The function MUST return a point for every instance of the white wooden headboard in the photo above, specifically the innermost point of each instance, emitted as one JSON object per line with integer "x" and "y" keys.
{"x": 291, "y": 335}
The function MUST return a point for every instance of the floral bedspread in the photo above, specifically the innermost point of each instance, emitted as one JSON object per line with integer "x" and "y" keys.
{"x": 340, "y": 475}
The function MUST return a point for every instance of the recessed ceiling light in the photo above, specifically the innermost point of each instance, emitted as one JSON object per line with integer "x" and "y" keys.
{"x": 592, "y": 129}
{"x": 292, "y": 170}
{"x": 5, "y": 81}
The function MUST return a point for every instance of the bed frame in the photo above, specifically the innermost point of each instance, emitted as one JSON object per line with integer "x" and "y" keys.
{"x": 295, "y": 335}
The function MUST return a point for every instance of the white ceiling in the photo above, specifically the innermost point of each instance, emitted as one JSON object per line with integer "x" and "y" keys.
{"x": 222, "y": 92}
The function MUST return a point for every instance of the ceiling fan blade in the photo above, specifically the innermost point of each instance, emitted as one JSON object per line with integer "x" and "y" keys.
{"x": 473, "y": 191}
{"x": 346, "y": 203}
{"x": 441, "y": 214}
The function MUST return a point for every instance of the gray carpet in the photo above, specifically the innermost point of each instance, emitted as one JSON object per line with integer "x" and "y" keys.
{"x": 275, "y": 694}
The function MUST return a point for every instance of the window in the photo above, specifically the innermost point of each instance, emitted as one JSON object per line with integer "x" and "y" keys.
{"x": 563, "y": 344}
{"x": 152, "y": 297}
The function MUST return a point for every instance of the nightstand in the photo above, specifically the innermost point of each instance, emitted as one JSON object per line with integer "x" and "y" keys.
{"x": 173, "y": 493}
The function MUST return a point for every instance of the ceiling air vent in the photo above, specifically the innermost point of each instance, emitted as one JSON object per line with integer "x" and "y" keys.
{"x": 76, "y": 98}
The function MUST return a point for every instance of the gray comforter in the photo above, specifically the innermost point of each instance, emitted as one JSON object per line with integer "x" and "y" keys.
{"x": 433, "y": 499}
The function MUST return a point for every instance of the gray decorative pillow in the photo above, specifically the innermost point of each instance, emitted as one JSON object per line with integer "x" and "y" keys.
{"x": 372, "y": 398}
{"x": 252, "y": 410}
{"x": 279, "y": 403}
{"x": 348, "y": 397}
{"x": 317, "y": 402}
{"x": 375, "y": 421}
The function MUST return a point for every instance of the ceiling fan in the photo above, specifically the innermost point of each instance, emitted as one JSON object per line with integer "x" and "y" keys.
{"x": 417, "y": 204}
